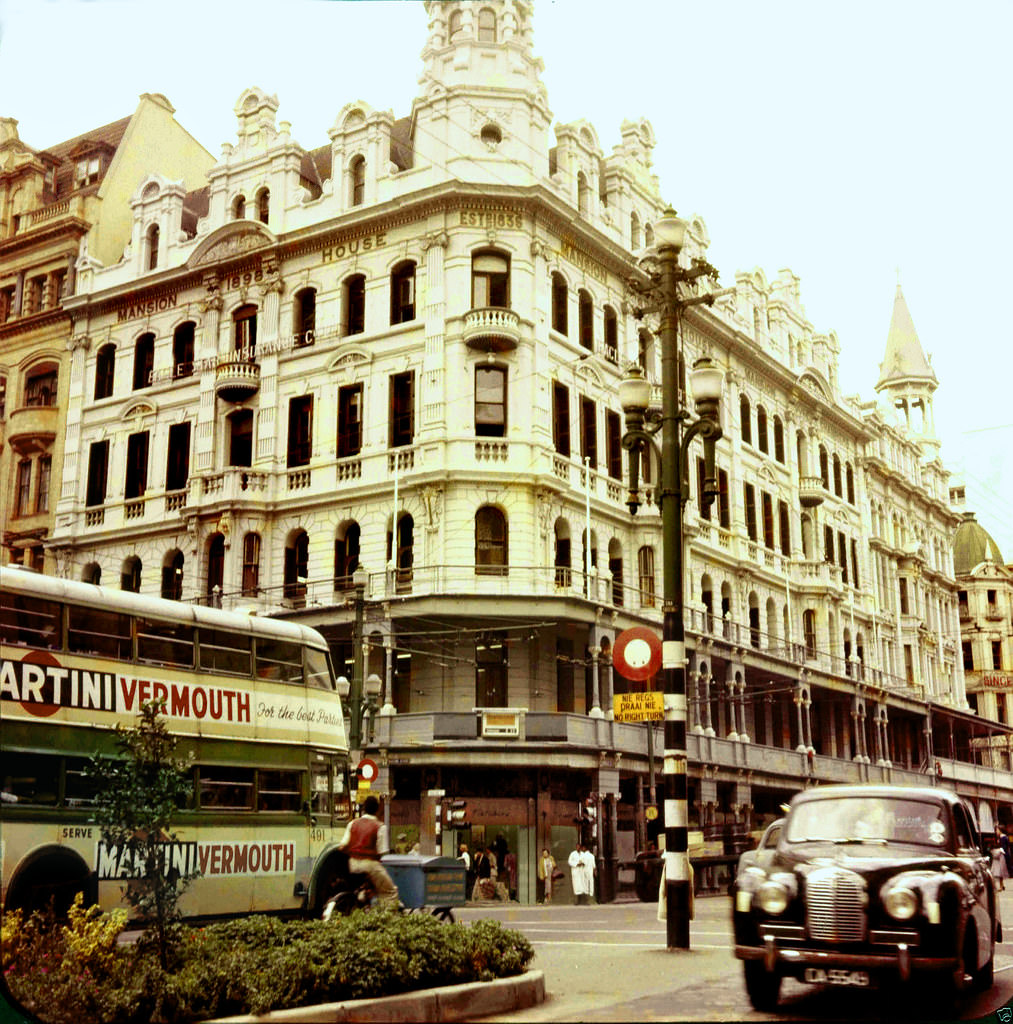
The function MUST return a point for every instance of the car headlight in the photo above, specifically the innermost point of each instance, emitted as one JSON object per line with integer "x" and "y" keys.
{"x": 772, "y": 898}
{"x": 900, "y": 903}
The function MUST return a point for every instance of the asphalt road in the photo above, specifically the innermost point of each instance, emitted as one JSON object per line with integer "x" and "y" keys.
{"x": 609, "y": 963}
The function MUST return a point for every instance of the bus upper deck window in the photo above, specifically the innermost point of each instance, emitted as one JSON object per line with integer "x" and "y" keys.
{"x": 224, "y": 652}
{"x": 29, "y": 622}
{"x": 165, "y": 643}
{"x": 93, "y": 631}
{"x": 279, "y": 660}
{"x": 318, "y": 670}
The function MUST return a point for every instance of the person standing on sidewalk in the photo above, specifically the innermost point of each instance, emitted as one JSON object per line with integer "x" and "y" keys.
{"x": 546, "y": 866}
{"x": 364, "y": 839}
{"x": 581, "y": 863}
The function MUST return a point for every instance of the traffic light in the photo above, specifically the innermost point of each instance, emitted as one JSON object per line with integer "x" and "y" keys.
{"x": 457, "y": 813}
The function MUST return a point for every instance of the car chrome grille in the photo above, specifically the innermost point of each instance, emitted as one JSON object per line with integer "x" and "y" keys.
{"x": 835, "y": 906}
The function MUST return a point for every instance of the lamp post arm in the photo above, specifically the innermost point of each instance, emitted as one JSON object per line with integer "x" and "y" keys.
{"x": 710, "y": 431}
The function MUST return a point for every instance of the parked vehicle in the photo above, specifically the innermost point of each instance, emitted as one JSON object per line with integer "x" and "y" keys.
{"x": 869, "y": 885}
{"x": 762, "y": 855}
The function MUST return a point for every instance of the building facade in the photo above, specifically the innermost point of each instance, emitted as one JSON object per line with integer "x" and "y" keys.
{"x": 400, "y": 352}
{"x": 58, "y": 206}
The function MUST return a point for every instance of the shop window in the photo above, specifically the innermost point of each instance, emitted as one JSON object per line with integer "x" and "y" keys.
{"x": 354, "y": 290}
{"x": 137, "y": 465}
{"x": 491, "y": 558}
{"x": 349, "y": 420}
{"x": 402, "y": 409}
{"x": 251, "y": 565}
{"x": 561, "y": 418}
{"x": 560, "y": 300}
{"x": 240, "y": 425}
{"x": 144, "y": 360}
{"x": 305, "y": 307}
{"x": 98, "y": 466}
{"x": 490, "y": 401}
{"x": 244, "y": 332}
{"x": 182, "y": 350}
{"x": 490, "y": 280}
{"x": 177, "y": 467}
{"x": 105, "y": 368}
{"x": 300, "y": 431}
{"x": 402, "y": 293}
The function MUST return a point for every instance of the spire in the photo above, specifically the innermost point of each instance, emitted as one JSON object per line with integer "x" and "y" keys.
{"x": 904, "y": 361}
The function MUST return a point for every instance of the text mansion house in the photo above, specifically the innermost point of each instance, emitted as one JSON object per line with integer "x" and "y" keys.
{"x": 400, "y": 352}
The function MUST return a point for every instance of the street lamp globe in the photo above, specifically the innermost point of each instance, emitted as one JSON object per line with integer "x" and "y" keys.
{"x": 344, "y": 687}
{"x": 706, "y": 382}
{"x": 669, "y": 230}
{"x": 634, "y": 390}
{"x": 360, "y": 577}
{"x": 371, "y": 686}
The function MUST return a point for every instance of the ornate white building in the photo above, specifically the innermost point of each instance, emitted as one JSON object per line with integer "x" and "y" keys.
{"x": 400, "y": 351}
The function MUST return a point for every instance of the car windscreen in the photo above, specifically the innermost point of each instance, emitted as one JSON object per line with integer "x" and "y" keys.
{"x": 868, "y": 819}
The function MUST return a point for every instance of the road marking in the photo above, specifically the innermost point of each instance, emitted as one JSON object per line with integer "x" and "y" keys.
{"x": 622, "y": 945}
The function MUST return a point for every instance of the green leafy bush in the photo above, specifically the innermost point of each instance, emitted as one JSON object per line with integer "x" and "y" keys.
{"x": 253, "y": 965}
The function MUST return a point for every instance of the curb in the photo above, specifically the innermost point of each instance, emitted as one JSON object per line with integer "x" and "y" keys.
{"x": 450, "y": 1003}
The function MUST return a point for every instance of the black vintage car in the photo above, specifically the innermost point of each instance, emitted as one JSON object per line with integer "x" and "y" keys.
{"x": 869, "y": 885}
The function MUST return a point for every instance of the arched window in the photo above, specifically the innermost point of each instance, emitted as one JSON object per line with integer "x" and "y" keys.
{"x": 849, "y": 479}
{"x": 490, "y": 280}
{"x": 486, "y": 25}
{"x": 611, "y": 323}
{"x": 645, "y": 570}
{"x": 239, "y": 208}
{"x": 130, "y": 575}
{"x": 346, "y": 555}
{"x": 455, "y": 24}
{"x": 105, "y": 368}
{"x": 263, "y": 205}
{"x": 838, "y": 490}
{"x": 754, "y": 620}
{"x": 182, "y": 350}
{"x": 304, "y": 307}
{"x": 216, "y": 570}
{"x": 144, "y": 360}
{"x": 616, "y": 571}
{"x": 771, "y": 623}
{"x": 809, "y": 632}
{"x": 585, "y": 320}
{"x": 635, "y": 240}
{"x": 707, "y": 600}
{"x": 354, "y": 293}
{"x": 583, "y": 194}
{"x": 402, "y": 293}
{"x": 560, "y": 301}
{"x": 561, "y": 553}
{"x": 172, "y": 576}
{"x": 244, "y": 331}
{"x": 151, "y": 246}
{"x": 357, "y": 180}
{"x": 824, "y": 468}
{"x": 251, "y": 565}
{"x": 92, "y": 573}
{"x": 778, "y": 440}
{"x": 491, "y": 555}
{"x": 761, "y": 429}
{"x": 746, "y": 419}
{"x": 726, "y": 610}
{"x": 297, "y": 558}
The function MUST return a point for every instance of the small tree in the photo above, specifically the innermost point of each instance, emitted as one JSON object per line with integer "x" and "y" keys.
{"x": 138, "y": 795}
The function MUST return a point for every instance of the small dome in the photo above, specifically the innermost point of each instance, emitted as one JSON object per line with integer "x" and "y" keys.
{"x": 972, "y": 545}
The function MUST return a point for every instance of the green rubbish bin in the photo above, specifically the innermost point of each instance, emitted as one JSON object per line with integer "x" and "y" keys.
{"x": 427, "y": 881}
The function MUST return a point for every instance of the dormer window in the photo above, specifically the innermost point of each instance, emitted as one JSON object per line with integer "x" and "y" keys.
{"x": 86, "y": 171}
{"x": 456, "y": 24}
{"x": 151, "y": 242}
{"x": 357, "y": 171}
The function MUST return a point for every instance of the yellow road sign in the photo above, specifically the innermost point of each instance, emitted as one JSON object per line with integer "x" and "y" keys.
{"x": 639, "y": 707}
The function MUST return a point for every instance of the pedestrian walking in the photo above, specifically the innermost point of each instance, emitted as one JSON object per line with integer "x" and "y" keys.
{"x": 510, "y": 865}
{"x": 582, "y": 868}
{"x": 484, "y": 888}
{"x": 546, "y": 867}
{"x": 1000, "y": 869}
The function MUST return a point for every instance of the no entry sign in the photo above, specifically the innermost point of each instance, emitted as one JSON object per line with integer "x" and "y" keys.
{"x": 637, "y": 653}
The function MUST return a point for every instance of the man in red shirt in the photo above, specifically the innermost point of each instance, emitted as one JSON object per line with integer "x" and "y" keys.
{"x": 364, "y": 839}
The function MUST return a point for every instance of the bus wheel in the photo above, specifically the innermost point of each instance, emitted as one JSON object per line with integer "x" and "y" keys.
{"x": 53, "y": 875}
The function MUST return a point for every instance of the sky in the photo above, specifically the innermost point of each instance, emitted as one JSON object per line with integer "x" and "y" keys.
{"x": 860, "y": 143}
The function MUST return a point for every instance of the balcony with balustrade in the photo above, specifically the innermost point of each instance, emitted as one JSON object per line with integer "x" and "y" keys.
{"x": 237, "y": 380}
{"x": 492, "y": 329}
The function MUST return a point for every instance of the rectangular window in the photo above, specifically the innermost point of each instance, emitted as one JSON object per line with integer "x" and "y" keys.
{"x": 279, "y": 790}
{"x": 828, "y": 545}
{"x": 842, "y": 555}
{"x": 490, "y": 401}
{"x": 40, "y": 390}
{"x": 402, "y": 409}
{"x": 909, "y": 664}
{"x": 589, "y": 431}
{"x": 854, "y": 563}
{"x": 645, "y": 568}
{"x": 614, "y": 444}
{"x": 177, "y": 465}
{"x": 349, "y": 420}
{"x": 228, "y": 653}
{"x": 564, "y": 674}
{"x": 768, "y": 520}
{"x": 355, "y": 305}
{"x": 724, "y": 505}
{"x": 491, "y": 673}
{"x": 251, "y": 565}
{"x": 300, "y": 430}
{"x": 224, "y": 788}
{"x": 279, "y": 660}
{"x": 997, "y": 654}
{"x": 241, "y": 438}
{"x": 165, "y": 643}
{"x": 137, "y": 465}
{"x": 701, "y": 477}
{"x": 98, "y": 467}
{"x": 23, "y": 499}
{"x": 43, "y": 479}
{"x": 785, "y": 526}
{"x": 29, "y": 621}
{"x": 94, "y": 631}
{"x": 902, "y": 587}
{"x": 749, "y": 498}
{"x": 561, "y": 418}
{"x": 968, "y": 655}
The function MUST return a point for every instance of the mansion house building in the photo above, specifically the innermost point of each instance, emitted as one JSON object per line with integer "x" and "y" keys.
{"x": 399, "y": 351}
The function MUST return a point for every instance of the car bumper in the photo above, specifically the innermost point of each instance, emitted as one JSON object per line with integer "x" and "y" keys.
{"x": 899, "y": 960}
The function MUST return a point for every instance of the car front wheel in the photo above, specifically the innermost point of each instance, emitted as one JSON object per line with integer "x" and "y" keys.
{"x": 762, "y": 986}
